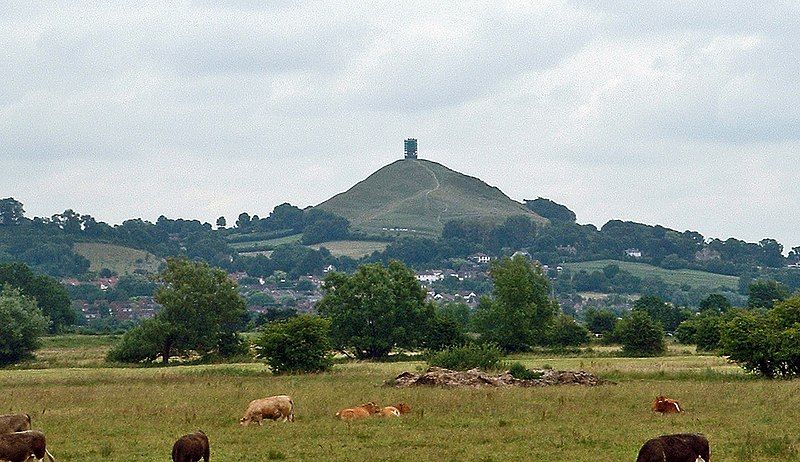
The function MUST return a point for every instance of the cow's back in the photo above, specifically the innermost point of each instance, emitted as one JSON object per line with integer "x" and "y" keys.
{"x": 191, "y": 448}
{"x": 18, "y": 446}
{"x": 10, "y": 423}
{"x": 683, "y": 447}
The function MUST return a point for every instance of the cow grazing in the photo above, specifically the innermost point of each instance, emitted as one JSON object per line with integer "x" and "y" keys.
{"x": 20, "y": 446}
{"x": 10, "y": 423}
{"x": 191, "y": 448}
{"x": 666, "y": 405}
{"x": 274, "y": 408}
{"x": 365, "y": 410}
{"x": 682, "y": 447}
{"x": 395, "y": 410}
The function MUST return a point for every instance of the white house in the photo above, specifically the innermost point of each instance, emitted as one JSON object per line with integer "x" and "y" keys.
{"x": 430, "y": 276}
{"x": 633, "y": 253}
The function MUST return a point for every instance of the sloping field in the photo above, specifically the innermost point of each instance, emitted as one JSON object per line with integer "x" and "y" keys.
{"x": 352, "y": 249}
{"x": 419, "y": 196}
{"x": 123, "y": 260}
{"x": 692, "y": 278}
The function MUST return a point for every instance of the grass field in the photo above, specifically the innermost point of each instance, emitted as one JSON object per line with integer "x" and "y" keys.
{"x": 117, "y": 258}
{"x": 692, "y": 278}
{"x": 243, "y": 246}
{"x": 122, "y": 414}
{"x": 352, "y": 249}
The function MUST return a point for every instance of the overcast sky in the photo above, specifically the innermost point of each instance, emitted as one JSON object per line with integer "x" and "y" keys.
{"x": 685, "y": 114}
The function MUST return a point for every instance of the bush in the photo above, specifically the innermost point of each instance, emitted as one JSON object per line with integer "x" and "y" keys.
{"x": 702, "y": 330}
{"x": 444, "y": 332}
{"x": 519, "y": 371}
{"x": 299, "y": 344}
{"x": 640, "y": 335}
{"x": 21, "y": 325}
{"x": 484, "y": 356}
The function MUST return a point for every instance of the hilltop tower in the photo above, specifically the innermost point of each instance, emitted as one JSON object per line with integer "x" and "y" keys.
{"x": 411, "y": 148}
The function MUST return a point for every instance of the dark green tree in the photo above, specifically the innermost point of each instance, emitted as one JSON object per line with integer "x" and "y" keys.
{"x": 639, "y": 335}
{"x": 201, "y": 309}
{"x": 600, "y": 321}
{"x": 664, "y": 313}
{"x": 764, "y": 294}
{"x": 716, "y": 303}
{"x": 221, "y": 223}
{"x": 21, "y": 325}
{"x": 567, "y": 333}
{"x": 520, "y": 312}
{"x": 554, "y": 212}
{"x": 11, "y": 212}
{"x": 298, "y": 344}
{"x": 51, "y": 297}
{"x": 376, "y": 309}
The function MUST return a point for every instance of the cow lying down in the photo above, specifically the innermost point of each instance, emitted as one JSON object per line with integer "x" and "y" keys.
{"x": 359, "y": 412}
{"x": 682, "y": 447}
{"x": 21, "y": 446}
{"x": 395, "y": 410}
{"x": 10, "y": 423}
{"x": 666, "y": 405}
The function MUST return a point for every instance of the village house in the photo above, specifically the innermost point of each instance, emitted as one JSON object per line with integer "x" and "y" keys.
{"x": 633, "y": 253}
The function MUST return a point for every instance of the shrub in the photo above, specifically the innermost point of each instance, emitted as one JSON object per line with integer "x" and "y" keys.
{"x": 519, "y": 371}
{"x": 444, "y": 332}
{"x": 299, "y": 344}
{"x": 640, "y": 335}
{"x": 484, "y": 356}
{"x": 566, "y": 332}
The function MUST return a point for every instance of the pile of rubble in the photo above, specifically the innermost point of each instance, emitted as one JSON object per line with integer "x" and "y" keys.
{"x": 437, "y": 376}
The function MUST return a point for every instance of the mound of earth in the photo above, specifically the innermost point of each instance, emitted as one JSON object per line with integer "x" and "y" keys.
{"x": 437, "y": 376}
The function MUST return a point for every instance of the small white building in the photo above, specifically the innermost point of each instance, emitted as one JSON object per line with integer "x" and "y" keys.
{"x": 633, "y": 253}
{"x": 430, "y": 276}
{"x": 480, "y": 258}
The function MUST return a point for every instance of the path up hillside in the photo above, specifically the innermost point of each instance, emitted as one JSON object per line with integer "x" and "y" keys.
{"x": 419, "y": 197}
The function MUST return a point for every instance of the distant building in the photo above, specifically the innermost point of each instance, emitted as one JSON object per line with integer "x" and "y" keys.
{"x": 633, "y": 253}
{"x": 480, "y": 258}
{"x": 411, "y": 148}
{"x": 430, "y": 276}
{"x": 521, "y": 253}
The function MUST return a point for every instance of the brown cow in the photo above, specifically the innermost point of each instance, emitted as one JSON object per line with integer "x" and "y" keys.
{"x": 666, "y": 405}
{"x": 10, "y": 423}
{"x": 191, "y": 448}
{"x": 365, "y": 410}
{"x": 274, "y": 408}
{"x": 20, "y": 446}
{"x": 682, "y": 447}
{"x": 395, "y": 410}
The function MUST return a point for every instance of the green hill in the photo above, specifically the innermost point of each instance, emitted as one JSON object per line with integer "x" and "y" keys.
{"x": 122, "y": 260}
{"x": 419, "y": 197}
{"x": 692, "y": 278}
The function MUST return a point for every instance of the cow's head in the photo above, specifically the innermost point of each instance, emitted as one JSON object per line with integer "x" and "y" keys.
{"x": 244, "y": 421}
{"x": 403, "y": 408}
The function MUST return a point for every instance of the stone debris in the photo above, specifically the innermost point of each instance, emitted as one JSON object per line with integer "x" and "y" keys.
{"x": 475, "y": 378}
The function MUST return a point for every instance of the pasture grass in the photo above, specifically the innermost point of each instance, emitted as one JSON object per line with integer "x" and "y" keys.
{"x": 692, "y": 278}
{"x": 122, "y": 260}
{"x": 352, "y": 249}
{"x": 122, "y": 414}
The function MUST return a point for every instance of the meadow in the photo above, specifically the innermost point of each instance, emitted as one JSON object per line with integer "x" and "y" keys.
{"x": 692, "y": 278}
{"x": 117, "y": 258}
{"x": 89, "y": 410}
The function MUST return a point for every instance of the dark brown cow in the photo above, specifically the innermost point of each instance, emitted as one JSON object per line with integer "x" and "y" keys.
{"x": 10, "y": 423}
{"x": 19, "y": 446}
{"x": 682, "y": 447}
{"x": 191, "y": 448}
{"x": 666, "y": 405}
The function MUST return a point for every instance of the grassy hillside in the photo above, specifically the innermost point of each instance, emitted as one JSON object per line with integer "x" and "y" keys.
{"x": 420, "y": 196}
{"x": 692, "y": 278}
{"x": 352, "y": 249}
{"x": 124, "y": 414}
{"x": 123, "y": 260}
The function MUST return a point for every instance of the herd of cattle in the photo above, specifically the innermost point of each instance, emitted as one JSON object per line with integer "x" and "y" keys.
{"x": 19, "y": 443}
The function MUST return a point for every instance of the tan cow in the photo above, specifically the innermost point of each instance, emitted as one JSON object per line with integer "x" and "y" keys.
{"x": 395, "y": 410}
{"x": 20, "y": 446}
{"x": 10, "y": 423}
{"x": 365, "y": 410}
{"x": 274, "y": 408}
{"x": 666, "y": 405}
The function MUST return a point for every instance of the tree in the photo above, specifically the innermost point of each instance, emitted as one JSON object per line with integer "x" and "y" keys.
{"x": 21, "y": 325}
{"x": 566, "y": 332}
{"x": 764, "y": 294}
{"x": 765, "y": 342}
{"x": 51, "y": 297}
{"x": 600, "y": 321}
{"x": 11, "y": 212}
{"x": 376, "y": 309}
{"x": 443, "y": 332}
{"x": 201, "y": 310}
{"x": 667, "y": 315}
{"x": 221, "y": 223}
{"x": 299, "y": 344}
{"x": 243, "y": 221}
{"x": 715, "y": 303}
{"x": 520, "y": 312}
{"x": 640, "y": 335}
{"x": 554, "y": 212}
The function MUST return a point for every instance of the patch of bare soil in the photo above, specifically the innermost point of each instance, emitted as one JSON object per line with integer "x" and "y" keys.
{"x": 437, "y": 376}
